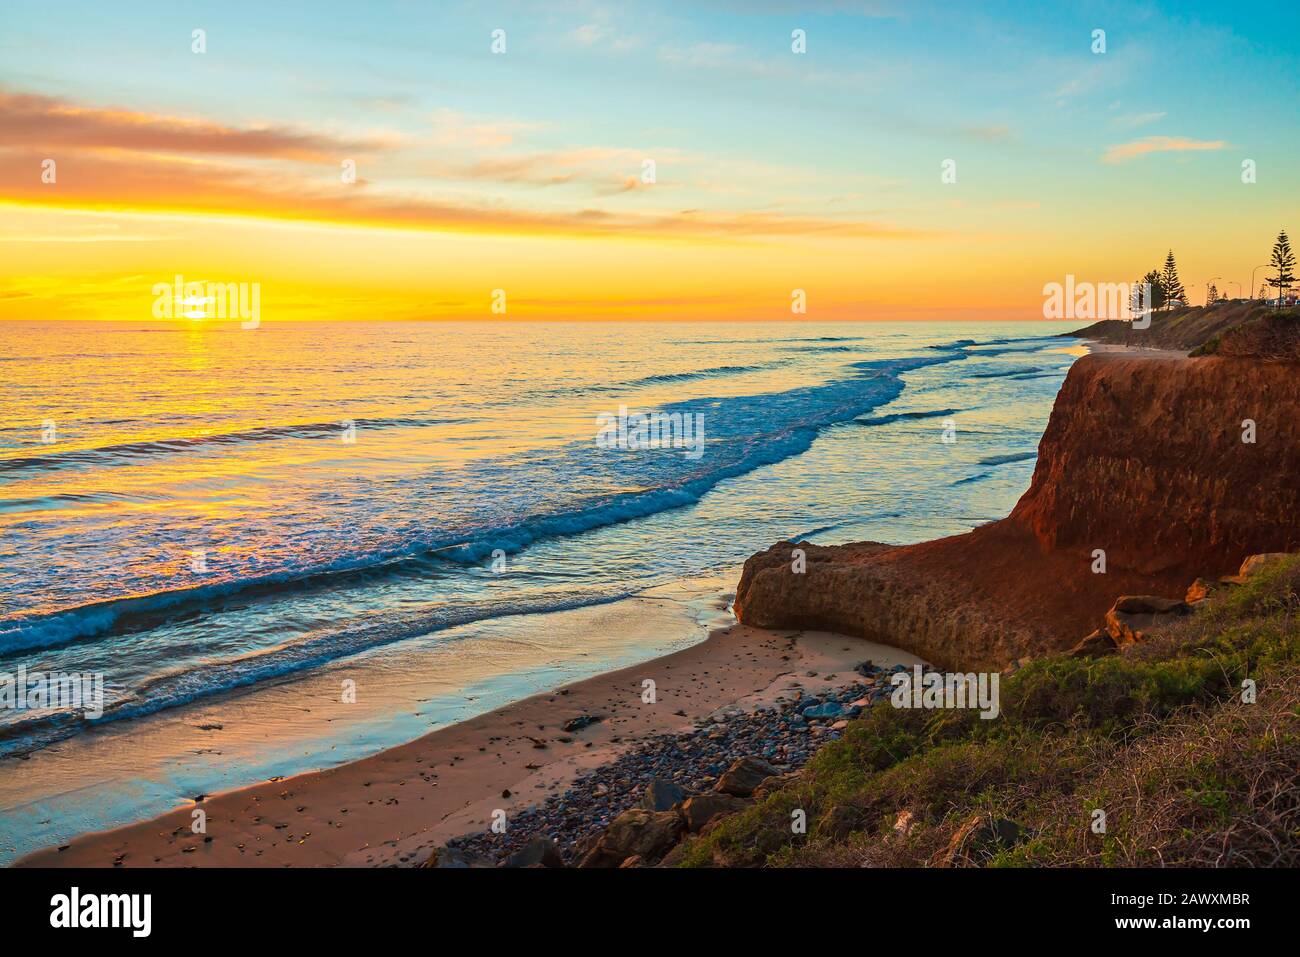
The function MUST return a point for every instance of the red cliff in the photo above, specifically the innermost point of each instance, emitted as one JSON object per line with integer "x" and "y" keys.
{"x": 1143, "y": 458}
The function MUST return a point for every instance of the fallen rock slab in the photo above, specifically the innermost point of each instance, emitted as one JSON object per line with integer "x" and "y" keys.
{"x": 703, "y": 808}
{"x": 661, "y": 795}
{"x": 538, "y": 852}
{"x": 1094, "y": 646}
{"x": 1133, "y": 617}
{"x": 744, "y": 776}
{"x": 635, "y": 833}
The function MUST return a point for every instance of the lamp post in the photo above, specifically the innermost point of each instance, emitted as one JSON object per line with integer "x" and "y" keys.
{"x": 1252, "y": 278}
{"x": 1207, "y": 288}
{"x": 1238, "y": 285}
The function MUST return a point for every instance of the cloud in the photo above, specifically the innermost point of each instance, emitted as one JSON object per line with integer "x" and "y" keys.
{"x": 32, "y": 120}
{"x": 455, "y": 129}
{"x": 163, "y": 185}
{"x": 1134, "y": 120}
{"x": 1124, "y": 152}
{"x": 596, "y": 35}
{"x": 132, "y": 161}
{"x": 1079, "y": 77}
{"x": 594, "y": 166}
{"x": 589, "y": 34}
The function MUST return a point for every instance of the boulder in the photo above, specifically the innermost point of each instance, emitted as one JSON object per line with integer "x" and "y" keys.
{"x": 538, "y": 852}
{"x": 1200, "y": 590}
{"x": 674, "y": 857}
{"x": 1133, "y": 617}
{"x": 635, "y": 832}
{"x": 1093, "y": 646}
{"x": 661, "y": 795}
{"x": 831, "y": 709}
{"x": 1253, "y": 565}
{"x": 1258, "y": 563}
{"x": 580, "y": 722}
{"x": 977, "y": 840}
{"x": 453, "y": 857}
{"x": 1148, "y": 605}
{"x": 703, "y": 808}
{"x": 744, "y": 775}
{"x": 767, "y": 786}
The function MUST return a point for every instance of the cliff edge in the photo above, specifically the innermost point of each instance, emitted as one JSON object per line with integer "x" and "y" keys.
{"x": 1143, "y": 458}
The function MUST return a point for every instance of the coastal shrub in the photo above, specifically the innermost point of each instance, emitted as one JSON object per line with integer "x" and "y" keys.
{"x": 1273, "y": 336}
{"x": 1158, "y": 737}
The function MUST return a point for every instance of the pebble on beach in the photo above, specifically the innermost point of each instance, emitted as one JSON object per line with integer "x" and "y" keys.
{"x": 785, "y": 734}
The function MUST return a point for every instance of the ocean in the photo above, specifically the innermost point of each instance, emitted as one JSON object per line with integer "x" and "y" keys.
{"x": 203, "y": 514}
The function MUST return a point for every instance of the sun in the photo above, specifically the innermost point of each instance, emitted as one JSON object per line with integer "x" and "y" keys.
{"x": 194, "y": 307}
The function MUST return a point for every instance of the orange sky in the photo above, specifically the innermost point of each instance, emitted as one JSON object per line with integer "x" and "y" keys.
{"x": 526, "y": 172}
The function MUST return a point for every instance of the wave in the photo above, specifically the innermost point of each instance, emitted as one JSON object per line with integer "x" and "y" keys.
{"x": 1006, "y": 373}
{"x": 819, "y": 530}
{"x": 822, "y": 349}
{"x": 47, "y": 727}
{"x": 1027, "y": 344}
{"x": 1041, "y": 374}
{"x": 112, "y": 454}
{"x": 753, "y": 342}
{"x": 1006, "y": 459}
{"x": 691, "y": 376}
{"x": 905, "y": 416}
{"x": 814, "y": 407}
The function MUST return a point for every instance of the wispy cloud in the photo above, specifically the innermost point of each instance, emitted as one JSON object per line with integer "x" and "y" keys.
{"x": 597, "y": 35}
{"x": 157, "y": 184}
{"x": 1131, "y": 121}
{"x": 28, "y": 119}
{"x": 1124, "y": 152}
{"x": 596, "y": 166}
{"x": 455, "y": 129}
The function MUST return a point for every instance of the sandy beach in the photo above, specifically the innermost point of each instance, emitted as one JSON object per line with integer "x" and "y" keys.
{"x": 395, "y": 807}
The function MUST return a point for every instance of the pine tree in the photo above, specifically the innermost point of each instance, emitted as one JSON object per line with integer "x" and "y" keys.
{"x": 1173, "y": 288}
{"x": 1212, "y": 295}
{"x": 1283, "y": 261}
{"x": 1157, "y": 284}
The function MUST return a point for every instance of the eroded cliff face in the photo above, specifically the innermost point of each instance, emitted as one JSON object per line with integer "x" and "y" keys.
{"x": 1143, "y": 458}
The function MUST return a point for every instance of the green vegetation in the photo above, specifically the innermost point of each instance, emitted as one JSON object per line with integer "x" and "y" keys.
{"x": 1270, "y": 335}
{"x": 1181, "y": 328}
{"x": 1158, "y": 737}
{"x": 1171, "y": 284}
{"x": 1283, "y": 261}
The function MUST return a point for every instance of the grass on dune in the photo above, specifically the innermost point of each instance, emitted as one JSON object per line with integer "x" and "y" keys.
{"x": 1158, "y": 738}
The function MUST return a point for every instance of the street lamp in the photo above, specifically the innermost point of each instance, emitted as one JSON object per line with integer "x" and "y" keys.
{"x": 1238, "y": 285}
{"x": 1253, "y": 287}
{"x": 1207, "y": 288}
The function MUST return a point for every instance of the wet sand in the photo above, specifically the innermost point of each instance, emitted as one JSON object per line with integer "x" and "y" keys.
{"x": 395, "y": 807}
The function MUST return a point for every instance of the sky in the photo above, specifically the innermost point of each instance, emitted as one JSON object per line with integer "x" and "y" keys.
{"x": 528, "y": 170}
